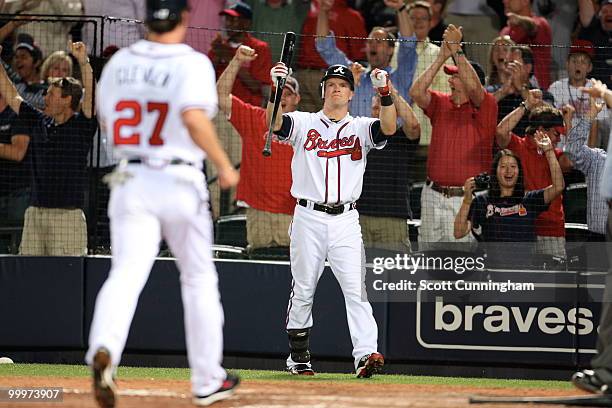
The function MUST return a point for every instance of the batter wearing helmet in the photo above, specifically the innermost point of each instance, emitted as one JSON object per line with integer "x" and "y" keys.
{"x": 158, "y": 97}
{"x": 329, "y": 160}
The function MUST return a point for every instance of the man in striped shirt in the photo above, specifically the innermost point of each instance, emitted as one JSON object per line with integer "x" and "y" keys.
{"x": 591, "y": 163}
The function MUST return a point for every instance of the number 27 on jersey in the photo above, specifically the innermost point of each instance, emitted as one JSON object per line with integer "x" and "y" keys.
{"x": 151, "y": 108}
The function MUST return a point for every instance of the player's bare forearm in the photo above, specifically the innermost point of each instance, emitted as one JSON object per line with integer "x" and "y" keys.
{"x": 412, "y": 132}
{"x": 418, "y": 91}
{"x": 205, "y": 137}
{"x": 388, "y": 120}
{"x": 278, "y": 122}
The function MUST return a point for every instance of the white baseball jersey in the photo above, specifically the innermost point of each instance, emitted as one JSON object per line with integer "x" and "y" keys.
{"x": 329, "y": 158}
{"x": 142, "y": 92}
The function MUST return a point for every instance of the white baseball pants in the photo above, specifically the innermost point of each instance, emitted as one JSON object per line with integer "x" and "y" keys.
{"x": 169, "y": 203}
{"x": 315, "y": 236}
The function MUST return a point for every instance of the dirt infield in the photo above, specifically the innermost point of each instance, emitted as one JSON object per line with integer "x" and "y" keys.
{"x": 276, "y": 394}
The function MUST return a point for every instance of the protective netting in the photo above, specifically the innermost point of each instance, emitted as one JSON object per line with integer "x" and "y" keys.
{"x": 449, "y": 129}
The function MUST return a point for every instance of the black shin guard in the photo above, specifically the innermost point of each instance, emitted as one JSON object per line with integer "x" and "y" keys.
{"x": 299, "y": 340}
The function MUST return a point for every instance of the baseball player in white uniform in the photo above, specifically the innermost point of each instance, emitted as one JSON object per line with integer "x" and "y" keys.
{"x": 330, "y": 149}
{"x": 157, "y": 98}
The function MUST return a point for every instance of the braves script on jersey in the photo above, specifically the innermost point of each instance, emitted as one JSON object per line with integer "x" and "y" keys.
{"x": 329, "y": 158}
{"x": 159, "y": 193}
{"x": 142, "y": 92}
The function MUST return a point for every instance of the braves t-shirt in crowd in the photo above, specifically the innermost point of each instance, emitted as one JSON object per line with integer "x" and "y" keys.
{"x": 506, "y": 219}
{"x": 265, "y": 182}
{"x": 59, "y": 157}
{"x": 385, "y": 190}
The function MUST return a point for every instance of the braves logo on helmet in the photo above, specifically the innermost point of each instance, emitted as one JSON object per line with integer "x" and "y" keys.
{"x": 337, "y": 71}
{"x": 165, "y": 9}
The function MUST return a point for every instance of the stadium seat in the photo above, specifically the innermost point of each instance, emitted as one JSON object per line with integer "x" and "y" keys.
{"x": 575, "y": 203}
{"x": 269, "y": 254}
{"x": 413, "y": 232}
{"x": 10, "y": 237}
{"x": 576, "y": 232}
{"x": 581, "y": 253}
{"x": 228, "y": 252}
{"x": 231, "y": 230}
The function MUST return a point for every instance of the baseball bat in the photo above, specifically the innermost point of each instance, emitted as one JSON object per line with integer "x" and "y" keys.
{"x": 286, "y": 55}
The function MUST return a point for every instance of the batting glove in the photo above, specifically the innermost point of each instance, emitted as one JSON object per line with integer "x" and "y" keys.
{"x": 380, "y": 80}
{"x": 278, "y": 71}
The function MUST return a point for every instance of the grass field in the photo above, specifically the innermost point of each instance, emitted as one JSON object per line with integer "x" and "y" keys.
{"x": 57, "y": 370}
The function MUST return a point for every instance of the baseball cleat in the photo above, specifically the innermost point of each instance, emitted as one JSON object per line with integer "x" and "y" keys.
{"x": 301, "y": 369}
{"x": 103, "y": 383}
{"x": 227, "y": 389}
{"x": 587, "y": 380}
{"x": 370, "y": 364}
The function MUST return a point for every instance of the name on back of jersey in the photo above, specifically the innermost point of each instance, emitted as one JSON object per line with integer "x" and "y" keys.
{"x": 133, "y": 74}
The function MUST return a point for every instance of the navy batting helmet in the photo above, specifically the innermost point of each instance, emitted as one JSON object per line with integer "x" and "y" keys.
{"x": 337, "y": 71}
{"x": 165, "y": 9}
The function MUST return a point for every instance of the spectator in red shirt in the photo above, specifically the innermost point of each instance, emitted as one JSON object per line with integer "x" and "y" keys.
{"x": 463, "y": 126}
{"x": 550, "y": 225}
{"x": 345, "y": 22}
{"x": 525, "y": 28}
{"x": 254, "y": 79}
{"x": 270, "y": 204}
